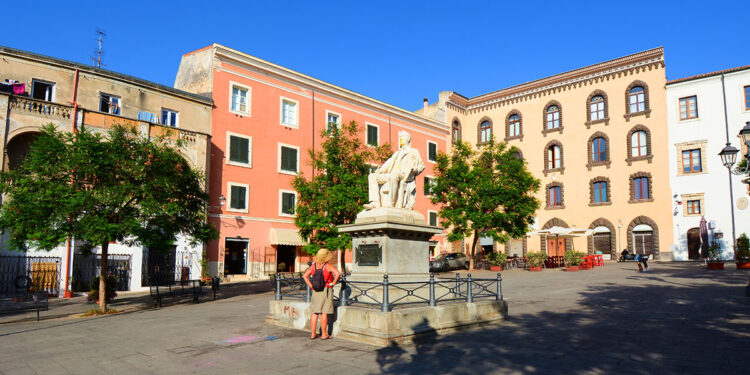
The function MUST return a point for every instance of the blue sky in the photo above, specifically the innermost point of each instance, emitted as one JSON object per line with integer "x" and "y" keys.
{"x": 398, "y": 52}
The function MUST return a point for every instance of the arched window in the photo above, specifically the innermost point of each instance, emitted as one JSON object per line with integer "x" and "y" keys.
{"x": 554, "y": 157}
{"x": 597, "y": 108}
{"x": 638, "y": 144}
{"x": 637, "y": 99}
{"x": 456, "y": 131}
{"x": 485, "y": 131}
{"x": 514, "y": 126}
{"x": 643, "y": 239}
{"x": 553, "y": 117}
{"x": 602, "y": 240}
{"x": 599, "y": 149}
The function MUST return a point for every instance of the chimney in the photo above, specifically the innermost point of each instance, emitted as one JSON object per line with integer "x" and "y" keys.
{"x": 425, "y": 105}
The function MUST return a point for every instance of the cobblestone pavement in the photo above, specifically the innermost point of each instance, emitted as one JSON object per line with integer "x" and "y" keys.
{"x": 677, "y": 319}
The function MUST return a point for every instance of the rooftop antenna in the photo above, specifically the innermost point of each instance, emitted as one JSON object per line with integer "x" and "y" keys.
{"x": 97, "y": 61}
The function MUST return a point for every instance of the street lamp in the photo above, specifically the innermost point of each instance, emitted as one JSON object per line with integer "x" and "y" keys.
{"x": 728, "y": 157}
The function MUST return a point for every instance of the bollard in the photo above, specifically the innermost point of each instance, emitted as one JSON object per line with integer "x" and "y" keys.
{"x": 432, "y": 290}
{"x": 384, "y": 305}
{"x": 499, "y": 295}
{"x": 469, "y": 295}
{"x": 342, "y": 292}
{"x": 308, "y": 293}
{"x": 458, "y": 285}
{"x": 278, "y": 288}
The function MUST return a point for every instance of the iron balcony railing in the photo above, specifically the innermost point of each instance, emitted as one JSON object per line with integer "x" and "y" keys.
{"x": 387, "y": 295}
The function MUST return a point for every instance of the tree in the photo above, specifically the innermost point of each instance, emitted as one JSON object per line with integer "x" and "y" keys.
{"x": 337, "y": 190}
{"x": 97, "y": 189}
{"x": 484, "y": 192}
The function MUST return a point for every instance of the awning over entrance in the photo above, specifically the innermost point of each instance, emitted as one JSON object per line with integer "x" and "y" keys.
{"x": 286, "y": 237}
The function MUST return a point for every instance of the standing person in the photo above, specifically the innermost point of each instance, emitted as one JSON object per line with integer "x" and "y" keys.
{"x": 321, "y": 277}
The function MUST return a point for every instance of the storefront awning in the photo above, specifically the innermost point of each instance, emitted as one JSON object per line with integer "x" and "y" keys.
{"x": 286, "y": 237}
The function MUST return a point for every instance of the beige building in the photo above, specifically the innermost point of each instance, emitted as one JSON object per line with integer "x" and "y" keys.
{"x": 596, "y": 137}
{"x": 36, "y": 90}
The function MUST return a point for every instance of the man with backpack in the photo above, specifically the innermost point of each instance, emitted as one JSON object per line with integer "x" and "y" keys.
{"x": 321, "y": 277}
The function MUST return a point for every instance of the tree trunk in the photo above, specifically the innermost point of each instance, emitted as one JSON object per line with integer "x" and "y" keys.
{"x": 473, "y": 250}
{"x": 103, "y": 279}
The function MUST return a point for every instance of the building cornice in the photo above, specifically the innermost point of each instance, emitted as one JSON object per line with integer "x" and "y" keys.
{"x": 646, "y": 60}
{"x": 317, "y": 85}
{"x": 709, "y": 75}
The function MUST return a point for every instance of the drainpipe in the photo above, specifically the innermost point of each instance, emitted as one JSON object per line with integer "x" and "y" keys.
{"x": 69, "y": 242}
{"x": 313, "y": 127}
{"x": 729, "y": 170}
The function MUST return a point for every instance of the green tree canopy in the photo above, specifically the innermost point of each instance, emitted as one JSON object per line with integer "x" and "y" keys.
{"x": 119, "y": 187}
{"x": 337, "y": 190}
{"x": 487, "y": 192}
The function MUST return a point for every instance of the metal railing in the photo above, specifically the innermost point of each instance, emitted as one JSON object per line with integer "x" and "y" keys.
{"x": 86, "y": 267}
{"x": 387, "y": 295}
{"x": 39, "y": 274}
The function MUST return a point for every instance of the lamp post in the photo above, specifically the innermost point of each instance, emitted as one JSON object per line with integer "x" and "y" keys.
{"x": 728, "y": 157}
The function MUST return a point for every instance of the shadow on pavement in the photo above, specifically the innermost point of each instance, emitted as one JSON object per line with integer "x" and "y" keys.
{"x": 681, "y": 327}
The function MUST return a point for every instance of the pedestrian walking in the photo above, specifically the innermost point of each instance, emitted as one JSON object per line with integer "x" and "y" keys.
{"x": 642, "y": 262}
{"x": 321, "y": 277}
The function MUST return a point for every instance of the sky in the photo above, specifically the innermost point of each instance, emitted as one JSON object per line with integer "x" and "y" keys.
{"x": 398, "y": 52}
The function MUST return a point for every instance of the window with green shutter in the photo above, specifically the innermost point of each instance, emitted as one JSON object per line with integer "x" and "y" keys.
{"x": 372, "y": 135}
{"x": 433, "y": 219}
{"x": 427, "y": 185}
{"x": 239, "y": 149}
{"x": 237, "y": 198}
{"x": 288, "y": 159}
{"x": 431, "y": 151}
{"x": 288, "y": 201}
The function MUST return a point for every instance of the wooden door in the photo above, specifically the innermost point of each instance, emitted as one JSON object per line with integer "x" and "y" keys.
{"x": 694, "y": 243}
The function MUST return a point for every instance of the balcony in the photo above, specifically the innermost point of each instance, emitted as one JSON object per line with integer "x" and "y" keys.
{"x": 41, "y": 108}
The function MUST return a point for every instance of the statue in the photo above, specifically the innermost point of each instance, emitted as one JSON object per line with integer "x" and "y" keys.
{"x": 393, "y": 184}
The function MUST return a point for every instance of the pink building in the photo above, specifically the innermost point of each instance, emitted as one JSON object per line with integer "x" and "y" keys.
{"x": 265, "y": 119}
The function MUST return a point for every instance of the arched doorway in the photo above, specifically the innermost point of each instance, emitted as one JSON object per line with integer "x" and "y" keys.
{"x": 694, "y": 243}
{"x": 18, "y": 148}
{"x": 602, "y": 238}
{"x": 643, "y": 239}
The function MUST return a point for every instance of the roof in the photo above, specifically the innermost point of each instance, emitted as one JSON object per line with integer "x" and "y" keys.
{"x": 106, "y": 73}
{"x": 706, "y": 75}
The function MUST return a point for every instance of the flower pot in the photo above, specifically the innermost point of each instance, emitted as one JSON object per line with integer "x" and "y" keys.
{"x": 535, "y": 269}
{"x": 743, "y": 265}
{"x": 715, "y": 265}
{"x": 496, "y": 268}
{"x": 572, "y": 268}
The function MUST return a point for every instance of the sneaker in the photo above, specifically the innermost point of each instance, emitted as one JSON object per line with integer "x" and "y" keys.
{"x": 645, "y": 270}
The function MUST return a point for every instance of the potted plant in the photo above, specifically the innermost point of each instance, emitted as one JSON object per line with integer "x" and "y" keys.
{"x": 742, "y": 254}
{"x": 110, "y": 285}
{"x": 573, "y": 260}
{"x": 497, "y": 260}
{"x": 536, "y": 260}
{"x": 714, "y": 261}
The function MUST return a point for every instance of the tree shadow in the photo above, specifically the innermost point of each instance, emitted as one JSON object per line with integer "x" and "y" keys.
{"x": 669, "y": 323}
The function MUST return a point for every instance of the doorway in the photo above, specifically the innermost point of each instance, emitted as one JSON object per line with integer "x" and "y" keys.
{"x": 160, "y": 266}
{"x": 235, "y": 256}
{"x": 285, "y": 258}
{"x": 555, "y": 246}
{"x": 694, "y": 243}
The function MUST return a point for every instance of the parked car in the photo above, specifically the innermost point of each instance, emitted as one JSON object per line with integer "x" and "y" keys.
{"x": 450, "y": 261}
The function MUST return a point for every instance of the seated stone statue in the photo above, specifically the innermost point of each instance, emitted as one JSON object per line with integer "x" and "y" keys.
{"x": 393, "y": 184}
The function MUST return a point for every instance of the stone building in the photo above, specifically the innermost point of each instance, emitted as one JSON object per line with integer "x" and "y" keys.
{"x": 596, "y": 137}
{"x": 705, "y": 112}
{"x": 36, "y": 90}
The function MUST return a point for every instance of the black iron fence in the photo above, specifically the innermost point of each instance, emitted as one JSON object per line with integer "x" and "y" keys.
{"x": 87, "y": 267}
{"x": 386, "y": 294}
{"x": 19, "y": 273}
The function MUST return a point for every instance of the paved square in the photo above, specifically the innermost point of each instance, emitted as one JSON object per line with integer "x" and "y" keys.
{"x": 677, "y": 319}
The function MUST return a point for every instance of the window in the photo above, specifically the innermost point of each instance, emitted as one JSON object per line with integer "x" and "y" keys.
{"x": 456, "y": 131}
{"x": 240, "y": 98}
{"x": 433, "y": 218}
{"x": 42, "y": 90}
{"x": 169, "y": 117}
{"x": 640, "y": 188}
{"x": 600, "y": 192}
{"x": 332, "y": 119}
{"x": 432, "y": 151}
{"x": 747, "y": 98}
{"x": 691, "y": 161}
{"x": 694, "y": 207}
{"x": 288, "y": 159}
{"x": 553, "y": 117}
{"x": 289, "y": 112}
{"x": 514, "y": 126}
{"x": 372, "y": 135}
{"x": 428, "y": 183}
{"x": 109, "y": 104}
{"x": 554, "y": 196}
{"x": 239, "y": 149}
{"x": 288, "y": 202}
{"x": 554, "y": 159}
{"x": 597, "y": 108}
{"x": 599, "y": 149}
{"x": 485, "y": 131}
{"x": 637, "y": 99}
{"x": 238, "y": 197}
{"x": 688, "y": 108}
{"x": 638, "y": 145}
{"x": 643, "y": 239}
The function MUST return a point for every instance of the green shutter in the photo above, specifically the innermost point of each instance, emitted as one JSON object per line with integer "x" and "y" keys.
{"x": 238, "y": 198}
{"x": 287, "y": 203}
{"x": 372, "y": 135}
{"x": 432, "y": 152}
{"x": 238, "y": 149}
{"x": 427, "y": 183}
{"x": 288, "y": 159}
